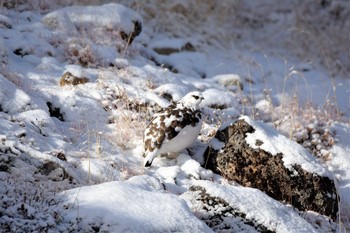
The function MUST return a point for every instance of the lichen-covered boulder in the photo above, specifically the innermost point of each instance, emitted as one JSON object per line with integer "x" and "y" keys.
{"x": 256, "y": 155}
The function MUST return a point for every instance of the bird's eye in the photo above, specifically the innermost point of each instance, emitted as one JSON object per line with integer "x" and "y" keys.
{"x": 196, "y": 97}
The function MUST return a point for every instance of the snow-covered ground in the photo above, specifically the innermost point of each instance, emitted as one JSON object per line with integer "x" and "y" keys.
{"x": 71, "y": 155}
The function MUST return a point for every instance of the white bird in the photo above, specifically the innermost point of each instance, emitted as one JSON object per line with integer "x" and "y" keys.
{"x": 174, "y": 129}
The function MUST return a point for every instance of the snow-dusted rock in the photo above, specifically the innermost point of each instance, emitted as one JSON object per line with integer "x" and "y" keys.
{"x": 228, "y": 208}
{"x": 113, "y": 17}
{"x": 5, "y": 22}
{"x": 137, "y": 205}
{"x": 172, "y": 92}
{"x": 218, "y": 99}
{"x": 169, "y": 46}
{"x": 256, "y": 155}
{"x": 229, "y": 80}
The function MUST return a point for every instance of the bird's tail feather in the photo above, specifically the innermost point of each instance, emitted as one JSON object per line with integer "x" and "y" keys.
{"x": 147, "y": 162}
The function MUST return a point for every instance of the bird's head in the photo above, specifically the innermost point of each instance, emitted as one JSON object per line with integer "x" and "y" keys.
{"x": 192, "y": 100}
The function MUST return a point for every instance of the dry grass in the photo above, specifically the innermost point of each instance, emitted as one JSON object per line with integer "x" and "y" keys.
{"x": 41, "y": 5}
{"x": 81, "y": 54}
{"x": 128, "y": 116}
{"x": 323, "y": 23}
{"x": 13, "y": 77}
{"x": 128, "y": 130}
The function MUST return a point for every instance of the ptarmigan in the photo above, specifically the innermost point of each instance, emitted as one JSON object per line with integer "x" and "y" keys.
{"x": 173, "y": 129}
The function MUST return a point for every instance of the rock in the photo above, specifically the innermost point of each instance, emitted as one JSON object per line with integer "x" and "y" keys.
{"x": 5, "y": 22}
{"x": 167, "y": 50}
{"x": 98, "y": 20}
{"x": 59, "y": 154}
{"x": 255, "y": 155}
{"x": 9, "y": 4}
{"x": 164, "y": 65}
{"x": 219, "y": 215}
{"x": 69, "y": 79}
{"x": 21, "y": 52}
{"x": 230, "y": 81}
{"x": 167, "y": 46}
{"x": 7, "y": 159}
{"x": 55, "y": 112}
{"x": 225, "y": 101}
{"x": 54, "y": 171}
{"x": 129, "y": 37}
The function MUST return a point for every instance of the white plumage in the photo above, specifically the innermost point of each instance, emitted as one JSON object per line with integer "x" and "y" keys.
{"x": 174, "y": 129}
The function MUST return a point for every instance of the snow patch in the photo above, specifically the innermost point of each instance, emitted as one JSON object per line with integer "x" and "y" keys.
{"x": 137, "y": 205}
{"x": 110, "y": 15}
{"x": 12, "y": 99}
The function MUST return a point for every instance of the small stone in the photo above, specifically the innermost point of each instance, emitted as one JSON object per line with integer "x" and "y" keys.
{"x": 69, "y": 79}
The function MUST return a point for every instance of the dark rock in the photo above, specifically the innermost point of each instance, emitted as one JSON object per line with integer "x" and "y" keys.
{"x": 10, "y": 4}
{"x": 167, "y": 96}
{"x": 164, "y": 65}
{"x": 129, "y": 37}
{"x": 60, "y": 155}
{"x": 167, "y": 50}
{"x": 55, "y": 112}
{"x": 5, "y": 22}
{"x": 254, "y": 167}
{"x": 188, "y": 47}
{"x": 7, "y": 161}
{"x": 4, "y": 168}
{"x": 218, "y": 106}
{"x": 48, "y": 167}
{"x": 20, "y": 52}
{"x": 54, "y": 171}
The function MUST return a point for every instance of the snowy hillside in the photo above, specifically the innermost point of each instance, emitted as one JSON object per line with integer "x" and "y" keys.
{"x": 80, "y": 81}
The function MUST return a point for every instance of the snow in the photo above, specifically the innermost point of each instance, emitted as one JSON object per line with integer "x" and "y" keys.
{"x": 110, "y": 15}
{"x": 71, "y": 156}
{"x": 12, "y": 99}
{"x": 138, "y": 204}
{"x": 175, "y": 90}
{"x": 340, "y": 166}
{"x": 217, "y": 97}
